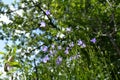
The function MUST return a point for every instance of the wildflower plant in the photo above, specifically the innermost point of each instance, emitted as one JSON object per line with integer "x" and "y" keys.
{"x": 77, "y": 41}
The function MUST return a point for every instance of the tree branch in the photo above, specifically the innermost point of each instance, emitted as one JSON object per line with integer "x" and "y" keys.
{"x": 36, "y": 70}
{"x": 109, "y": 3}
{"x": 51, "y": 23}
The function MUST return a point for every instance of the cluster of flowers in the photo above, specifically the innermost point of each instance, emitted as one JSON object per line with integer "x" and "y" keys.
{"x": 66, "y": 51}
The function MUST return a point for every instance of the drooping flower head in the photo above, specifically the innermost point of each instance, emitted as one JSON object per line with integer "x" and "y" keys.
{"x": 45, "y": 48}
{"x": 53, "y": 46}
{"x": 67, "y": 50}
{"x": 67, "y": 47}
{"x": 80, "y": 42}
{"x": 51, "y": 52}
{"x": 42, "y": 24}
{"x": 68, "y": 29}
{"x": 45, "y": 59}
{"x": 59, "y": 60}
{"x": 47, "y": 12}
{"x": 93, "y": 40}
{"x": 59, "y": 47}
{"x": 83, "y": 45}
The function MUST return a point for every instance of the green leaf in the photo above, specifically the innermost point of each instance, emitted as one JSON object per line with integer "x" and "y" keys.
{"x": 2, "y": 53}
{"x": 14, "y": 50}
{"x": 15, "y": 64}
{"x": 1, "y": 73}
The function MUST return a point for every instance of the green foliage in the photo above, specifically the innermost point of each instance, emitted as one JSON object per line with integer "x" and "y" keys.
{"x": 1, "y": 53}
{"x": 63, "y": 39}
{"x": 14, "y": 64}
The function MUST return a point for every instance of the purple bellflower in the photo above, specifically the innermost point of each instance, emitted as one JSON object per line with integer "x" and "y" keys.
{"x": 59, "y": 60}
{"x": 53, "y": 46}
{"x": 42, "y": 24}
{"x": 45, "y": 59}
{"x": 45, "y": 48}
{"x": 59, "y": 47}
{"x": 68, "y": 29}
{"x": 83, "y": 45}
{"x": 93, "y": 40}
{"x": 47, "y": 12}
{"x": 66, "y": 51}
{"x": 80, "y": 42}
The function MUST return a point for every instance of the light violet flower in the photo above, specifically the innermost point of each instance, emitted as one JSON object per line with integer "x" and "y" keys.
{"x": 51, "y": 52}
{"x": 47, "y": 12}
{"x": 68, "y": 29}
{"x": 42, "y": 24}
{"x": 53, "y": 46}
{"x": 45, "y": 59}
{"x": 83, "y": 45}
{"x": 71, "y": 58}
{"x": 93, "y": 40}
{"x": 59, "y": 47}
{"x": 67, "y": 47}
{"x": 45, "y": 48}
{"x": 59, "y": 60}
{"x": 80, "y": 42}
{"x": 66, "y": 51}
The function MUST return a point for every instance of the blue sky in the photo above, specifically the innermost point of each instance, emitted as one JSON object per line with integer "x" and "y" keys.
{"x": 9, "y": 1}
{"x": 2, "y": 42}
